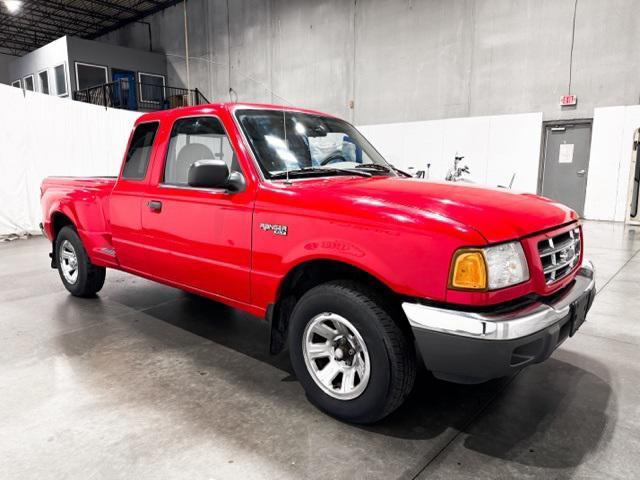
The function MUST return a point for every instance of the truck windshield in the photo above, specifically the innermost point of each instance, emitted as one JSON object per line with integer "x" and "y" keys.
{"x": 310, "y": 145}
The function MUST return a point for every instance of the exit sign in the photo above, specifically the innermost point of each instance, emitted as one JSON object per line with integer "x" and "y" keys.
{"x": 568, "y": 100}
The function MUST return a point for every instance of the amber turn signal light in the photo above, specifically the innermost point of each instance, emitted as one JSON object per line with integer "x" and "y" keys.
{"x": 469, "y": 270}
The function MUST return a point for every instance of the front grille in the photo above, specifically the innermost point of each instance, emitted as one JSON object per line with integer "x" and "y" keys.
{"x": 560, "y": 254}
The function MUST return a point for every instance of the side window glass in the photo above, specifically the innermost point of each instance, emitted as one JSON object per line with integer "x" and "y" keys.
{"x": 193, "y": 139}
{"x": 139, "y": 153}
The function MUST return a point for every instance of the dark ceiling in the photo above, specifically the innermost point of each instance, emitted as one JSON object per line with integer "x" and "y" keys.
{"x": 39, "y": 22}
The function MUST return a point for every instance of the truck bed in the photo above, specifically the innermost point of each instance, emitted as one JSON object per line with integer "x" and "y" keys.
{"x": 60, "y": 186}
{"x": 79, "y": 181}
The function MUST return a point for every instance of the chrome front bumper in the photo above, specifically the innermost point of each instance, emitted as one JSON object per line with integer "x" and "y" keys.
{"x": 509, "y": 325}
{"x": 473, "y": 347}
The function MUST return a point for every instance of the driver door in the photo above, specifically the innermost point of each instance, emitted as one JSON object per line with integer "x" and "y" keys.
{"x": 199, "y": 237}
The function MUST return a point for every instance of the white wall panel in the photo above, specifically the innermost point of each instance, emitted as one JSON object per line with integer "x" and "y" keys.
{"x": 494, "y": 147}
{"x": 42, "y": 135}
{"x": 610, "y": 162}
{"x": 604, "y": 163}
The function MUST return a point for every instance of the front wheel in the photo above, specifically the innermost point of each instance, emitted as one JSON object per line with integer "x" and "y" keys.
{"x": 78, "y": 274}
{"x": 353, "y": 360}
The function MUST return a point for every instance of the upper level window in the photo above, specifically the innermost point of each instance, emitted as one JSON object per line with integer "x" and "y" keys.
{"x": 17, "y": 84}
{"x": 139, "y": 153}
{"x": 151, "y": 87}
{"x": 60, "y": 76}
{"x": 88, "y": 75}
{"x": 193, "y": 139}
{"x": 28, "y": 83}
{"x": 43, "y": 79}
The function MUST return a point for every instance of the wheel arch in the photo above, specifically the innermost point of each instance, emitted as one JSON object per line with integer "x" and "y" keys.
{"x": 59, "y": 220}
{"x": 310, "y": 273}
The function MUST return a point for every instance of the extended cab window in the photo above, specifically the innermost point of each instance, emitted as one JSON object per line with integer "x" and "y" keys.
{"x": 137, "y": 160}
{"x": 193, "y": 139}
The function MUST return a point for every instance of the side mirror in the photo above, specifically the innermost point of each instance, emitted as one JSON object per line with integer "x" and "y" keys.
{"x": 214, "y": 174}
{"x": 208, "y": 174}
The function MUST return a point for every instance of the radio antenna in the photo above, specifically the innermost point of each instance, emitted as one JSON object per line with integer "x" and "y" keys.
{"x": 233, "y": 93}
{"x": 236, "y": 72}
{"x": 284, "y": 129}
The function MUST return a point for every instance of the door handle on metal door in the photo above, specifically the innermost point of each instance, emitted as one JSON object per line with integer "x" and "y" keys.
{"x": 581, "y": 173}
{"x": 155, "y": 206}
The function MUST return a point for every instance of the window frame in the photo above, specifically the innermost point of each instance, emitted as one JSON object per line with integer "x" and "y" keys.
{"x": 126, "y": 153}
{"x": 66, "y": 79}
{"x": 19, "y": 82}
{"x": 46, "y": 72}
{"x": 140, "y": 86}
{"x": 33, "y": 82}
{"x": 104, "y": 67}
{"x": 163, "y": 184}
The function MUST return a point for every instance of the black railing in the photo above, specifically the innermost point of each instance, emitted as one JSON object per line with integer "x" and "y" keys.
{"x": 130, "y": 95}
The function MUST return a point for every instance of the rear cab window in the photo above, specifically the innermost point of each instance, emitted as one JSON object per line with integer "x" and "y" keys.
{"x": 139, "y": 152}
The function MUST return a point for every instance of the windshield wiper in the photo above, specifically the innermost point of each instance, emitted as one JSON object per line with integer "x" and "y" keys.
{"x": 375, "y": 166}
{"x": 319, "y": 171}
{"x": 382, "y": 168}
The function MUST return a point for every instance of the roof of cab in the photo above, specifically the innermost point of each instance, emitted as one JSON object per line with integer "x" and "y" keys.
{"x": 213, "y": 107}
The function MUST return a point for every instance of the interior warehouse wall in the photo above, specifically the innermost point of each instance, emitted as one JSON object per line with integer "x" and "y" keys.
{"x": 499, "y": 146}
{"x": 43, "y": 135}
{"x": 404, "y": 60}
{"x": 495, "y": 147}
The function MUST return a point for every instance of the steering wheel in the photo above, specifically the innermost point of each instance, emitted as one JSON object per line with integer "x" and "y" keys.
{"x": 333, "y": 158}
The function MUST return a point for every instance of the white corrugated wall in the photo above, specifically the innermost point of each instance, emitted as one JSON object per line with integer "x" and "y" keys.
{"x": 42, "y": 135}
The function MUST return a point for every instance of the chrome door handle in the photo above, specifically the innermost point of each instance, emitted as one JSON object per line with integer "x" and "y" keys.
{"x": 581, "y": 173}
{"x": 155, "y": 206}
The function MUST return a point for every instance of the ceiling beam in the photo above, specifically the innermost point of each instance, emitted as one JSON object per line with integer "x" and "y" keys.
{"x": 22, "y": 45}
{"x": 158, "y": 8}
{"x": 16, "y": 32}
{"x": 41, "y": 21}
{"x": 41, "y": 27}
{"x": 48, "y": 17}
{"x": 115, "y": 6}
{"x": 76, "y": 10}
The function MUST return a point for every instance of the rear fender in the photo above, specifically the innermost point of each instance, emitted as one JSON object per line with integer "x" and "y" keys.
{"x": 86, "y": 212}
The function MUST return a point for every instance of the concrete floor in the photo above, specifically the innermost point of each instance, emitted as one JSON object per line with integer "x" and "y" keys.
{"x": 149, "y": 382}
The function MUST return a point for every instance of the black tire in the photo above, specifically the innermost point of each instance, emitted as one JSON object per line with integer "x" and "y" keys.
{"x": 90, "y": 278}
{"x": 390, "y": 349}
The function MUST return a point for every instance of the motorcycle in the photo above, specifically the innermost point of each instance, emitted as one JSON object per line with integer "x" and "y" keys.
{"x": 457, "y": 172}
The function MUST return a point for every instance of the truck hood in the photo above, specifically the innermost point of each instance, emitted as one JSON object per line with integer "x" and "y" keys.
{"x": 496, "y": 214}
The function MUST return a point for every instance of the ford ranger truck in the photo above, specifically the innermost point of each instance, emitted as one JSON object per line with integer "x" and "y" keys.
{"x": 360, "y": 270}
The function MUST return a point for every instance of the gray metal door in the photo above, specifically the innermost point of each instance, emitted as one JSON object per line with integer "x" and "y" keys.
{"x": 566, "y": 163}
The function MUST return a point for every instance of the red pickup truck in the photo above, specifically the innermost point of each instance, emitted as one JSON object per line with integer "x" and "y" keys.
{"x": 361, "y": 270}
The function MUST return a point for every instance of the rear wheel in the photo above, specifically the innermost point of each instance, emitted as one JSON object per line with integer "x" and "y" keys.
{"x": 79, "y": 276}
{"x": 353, "y": 360}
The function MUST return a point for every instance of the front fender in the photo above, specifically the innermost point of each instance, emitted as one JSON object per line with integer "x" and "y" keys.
{"x": 339, "y": 250}
{"x": 410, "y": 261}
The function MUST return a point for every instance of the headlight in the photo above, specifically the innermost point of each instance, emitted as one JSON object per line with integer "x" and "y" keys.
{"x": 506, "y": 264}
{"x": 489, "y": 268}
